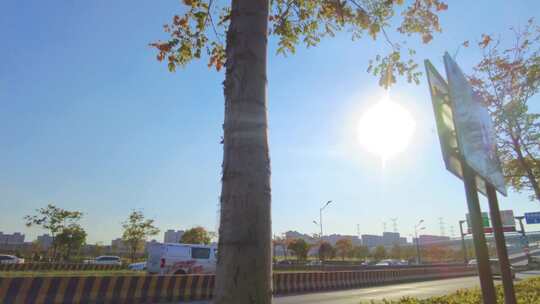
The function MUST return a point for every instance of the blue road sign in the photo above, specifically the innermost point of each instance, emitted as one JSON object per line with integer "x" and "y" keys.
{"x": 532, "y": 218}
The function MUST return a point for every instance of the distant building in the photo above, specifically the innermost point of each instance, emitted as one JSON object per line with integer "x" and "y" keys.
{"x": 16, "y": 238}
{"x": 118, "y": 246}
{"x": 45, "y": 241}
{"x": 333, "y": 238}
{"x": 172, "y": 236}
{"x": 402, "y": 241}
{"x": 390, "y": 238}
{"x": 429, "y": 239}
{"x": 371, "y": 240}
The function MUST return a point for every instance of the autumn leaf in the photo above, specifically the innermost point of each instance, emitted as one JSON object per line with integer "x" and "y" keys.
{"x": 441, "y": 6}
{"x": 486, "y": 39}
{"x": 426, "y": 38}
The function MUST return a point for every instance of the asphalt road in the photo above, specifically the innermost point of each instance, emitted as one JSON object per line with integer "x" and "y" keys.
{"x": 418, "y": 289}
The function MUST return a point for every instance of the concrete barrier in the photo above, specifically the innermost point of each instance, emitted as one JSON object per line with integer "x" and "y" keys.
{"x": 183, "y": 288}
{"x": 57, "y": 266}
{"x": 106, "y": 289}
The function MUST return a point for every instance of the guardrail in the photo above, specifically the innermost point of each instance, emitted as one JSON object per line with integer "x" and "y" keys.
{"x": 57, "y": 266}
{"x": 350, "y": 267}
{"x": 175, "y": 288}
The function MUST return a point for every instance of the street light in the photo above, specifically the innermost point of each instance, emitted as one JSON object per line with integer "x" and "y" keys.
{"x": 320, "y": 216}
{"x": 416, "y": 228}
{"x": 317, "y": 224}
{"x": 463, "y": 241}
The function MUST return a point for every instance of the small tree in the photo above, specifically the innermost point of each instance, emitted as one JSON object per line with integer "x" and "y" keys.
{"x": 97, "y": 249}
{"x": 300, "y": 248}
{"x": 360, "y": 252}
{"x": 54, "y": 220}
{"x": 196, "y": 235}
{"x": 395, "y": 252}
{"x": 36, "y": 249}
{"x": 344, "y": 248}
{"x": 137, "y": 229}
{"x": 71, "y": 240}
{"x": 379, "y": 253}
{"x": 326, "y": 251}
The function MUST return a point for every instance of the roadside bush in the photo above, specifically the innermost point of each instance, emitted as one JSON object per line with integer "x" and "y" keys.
{"x": 527, "y": 292}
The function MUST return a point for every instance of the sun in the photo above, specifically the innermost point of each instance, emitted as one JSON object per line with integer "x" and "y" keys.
{"x": 385, "y": 129}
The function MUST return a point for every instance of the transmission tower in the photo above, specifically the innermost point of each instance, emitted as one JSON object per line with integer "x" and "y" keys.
{"x": 441, "y": 224}
{"x": 384, "y": 226}
{"x": 394, "y": 224}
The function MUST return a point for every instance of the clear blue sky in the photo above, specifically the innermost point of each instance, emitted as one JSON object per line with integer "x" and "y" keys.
{"x": 91, "y": 121}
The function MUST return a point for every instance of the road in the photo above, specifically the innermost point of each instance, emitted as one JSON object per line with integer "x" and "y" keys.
{"x": 418, "y": 289}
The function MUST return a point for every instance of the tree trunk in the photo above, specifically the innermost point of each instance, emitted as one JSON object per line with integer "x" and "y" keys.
{"x": 527, "y": 168}
{"x": 244, "y": 264}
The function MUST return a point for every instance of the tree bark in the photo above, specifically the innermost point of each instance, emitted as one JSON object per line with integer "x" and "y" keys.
{"x": 244, "y": 264}
{"x": 527, "y": 168}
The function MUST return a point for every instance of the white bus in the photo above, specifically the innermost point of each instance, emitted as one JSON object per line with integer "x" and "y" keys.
{"x": 172, "y": 258}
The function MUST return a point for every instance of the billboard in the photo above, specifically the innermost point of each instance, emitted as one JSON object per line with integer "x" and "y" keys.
{"x": 507, "y": 220}
{"x": 440, "y": 97}
{"x": 474, "y": 129}
{"x": 444, "y": 118}
{"x": 532, "y": 217}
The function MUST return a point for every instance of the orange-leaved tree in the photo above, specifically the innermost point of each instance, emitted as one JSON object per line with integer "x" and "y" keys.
{"x": 507, "y": 77}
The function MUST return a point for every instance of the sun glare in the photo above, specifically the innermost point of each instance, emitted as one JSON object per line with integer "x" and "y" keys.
{"x": 385, "y": 129}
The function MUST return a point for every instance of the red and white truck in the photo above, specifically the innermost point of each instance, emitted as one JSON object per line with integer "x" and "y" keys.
{"x": 172, "y": 258}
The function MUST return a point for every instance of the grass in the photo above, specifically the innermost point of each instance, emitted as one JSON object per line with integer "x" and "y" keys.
{"x": 527, "y": 292}
{"x": 67, "y": 273}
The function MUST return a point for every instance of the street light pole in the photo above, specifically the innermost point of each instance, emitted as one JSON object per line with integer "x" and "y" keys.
{"x": 525, "y": 239}
{"x": 463, "y": 241}
{"x": 418, "y": 240}
{"x": 320, "y": 216}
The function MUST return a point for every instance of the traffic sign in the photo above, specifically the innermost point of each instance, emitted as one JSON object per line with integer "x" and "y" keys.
{"x": 532, "y": 218}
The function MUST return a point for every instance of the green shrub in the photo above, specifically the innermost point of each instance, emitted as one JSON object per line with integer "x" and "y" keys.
{"x": 527, "y": 292}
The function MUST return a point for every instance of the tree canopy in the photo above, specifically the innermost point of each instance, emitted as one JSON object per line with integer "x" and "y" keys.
{"x": 58, "y": 222}
{"x": 507, "y": 78}
{"x": 136, "y": 230}
{"x": 196, "y": 235}
{"x": 71, "y": 240}
{"x": 344, "y": 248}
{"x": 326, "y": 251}
{"x": 300, "y": 248}
{"x": 201, "y": 30}
{"x": 379, "y": 253}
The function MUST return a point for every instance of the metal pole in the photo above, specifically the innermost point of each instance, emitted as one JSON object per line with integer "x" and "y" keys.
{"x": 463, "y": 242}
{"x": 504, "y": 263}
{"x": 320, "y": 221}
{"x": 482, "y": 256}
{"x": 522, "y": 227}
{"x": 417, "y": 246}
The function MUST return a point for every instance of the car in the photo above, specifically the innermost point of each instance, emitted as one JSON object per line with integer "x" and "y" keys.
{"x": 105, "y": 260}
{"x": 10, "y": 259}
{"x": 495, "y": 267}
{"x": 388, "y": 262}
{"x": 140, "y": 266}
{"x": 314, "y": 263}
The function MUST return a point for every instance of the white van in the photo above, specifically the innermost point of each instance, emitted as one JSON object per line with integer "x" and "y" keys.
{"x": 172, "y": 258}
